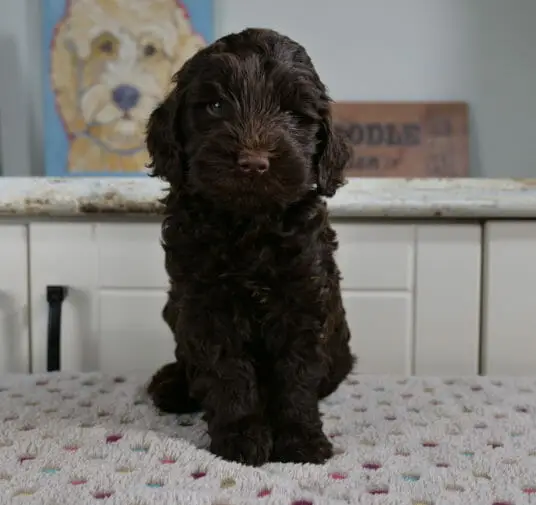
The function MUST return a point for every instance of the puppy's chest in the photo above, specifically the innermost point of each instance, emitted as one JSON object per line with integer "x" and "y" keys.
{"x": 256, "y": 263}
{"x": 265, "y": 276}
{"x": 258, "y": 281}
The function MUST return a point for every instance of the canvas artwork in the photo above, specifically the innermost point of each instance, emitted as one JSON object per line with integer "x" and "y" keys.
{"x": 107, "y": 64}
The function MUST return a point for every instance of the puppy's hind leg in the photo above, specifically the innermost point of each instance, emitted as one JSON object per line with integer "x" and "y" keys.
{"x": 341, "y": 362}
{"x": 169, "y": 390}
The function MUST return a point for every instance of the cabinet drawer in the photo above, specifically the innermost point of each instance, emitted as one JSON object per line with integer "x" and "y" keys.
{"x": 375, "y": 256}
{"x": 381, "y": 328}
{"x": 131, "y": 319}
{"x": 370, "y": 256}
{"x": 130, "y": 255}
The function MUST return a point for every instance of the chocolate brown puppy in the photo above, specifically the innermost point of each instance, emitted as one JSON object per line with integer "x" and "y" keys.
{"x": 245, "y": 141}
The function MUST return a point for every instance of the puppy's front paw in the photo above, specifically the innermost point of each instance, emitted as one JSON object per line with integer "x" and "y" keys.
{"x": 301, "y": 445}
{"x": 251, "y": 445}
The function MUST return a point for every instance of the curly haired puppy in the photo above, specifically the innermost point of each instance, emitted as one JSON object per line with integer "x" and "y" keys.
{"x": 246, "y": 142}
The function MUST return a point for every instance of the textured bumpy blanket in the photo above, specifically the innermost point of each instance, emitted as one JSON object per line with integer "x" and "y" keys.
{"x": 76, "y": 439}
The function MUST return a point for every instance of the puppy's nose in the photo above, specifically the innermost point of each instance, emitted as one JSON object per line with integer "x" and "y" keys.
{"x": 254, "y": 163}
{"x": 125, "y": 96}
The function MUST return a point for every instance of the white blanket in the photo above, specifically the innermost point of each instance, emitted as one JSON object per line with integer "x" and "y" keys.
{"x": 77, "y": 439}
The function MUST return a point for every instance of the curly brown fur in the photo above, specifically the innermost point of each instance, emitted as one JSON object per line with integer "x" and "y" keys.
{"x": 246, "y": 142}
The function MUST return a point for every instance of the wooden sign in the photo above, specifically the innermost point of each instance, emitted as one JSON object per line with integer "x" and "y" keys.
{"x": 408, "y": 139}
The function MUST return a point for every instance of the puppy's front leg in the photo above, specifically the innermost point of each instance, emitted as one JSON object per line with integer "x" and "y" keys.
{"x": 234, "y": 412}
{"x": 294, "y": 412}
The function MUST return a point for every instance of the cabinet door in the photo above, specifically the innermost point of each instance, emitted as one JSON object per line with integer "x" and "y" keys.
{"x": 111, "y": 318}
{"x": 509, "y": 338}
{"x": 447, "y": 299}
{"x": 377, "y": 267}
{"x": 14, "y": 335}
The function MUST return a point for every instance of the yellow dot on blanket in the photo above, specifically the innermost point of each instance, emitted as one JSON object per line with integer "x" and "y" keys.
{"x": 25, "y": 492}
{"x": 227, "y": 483}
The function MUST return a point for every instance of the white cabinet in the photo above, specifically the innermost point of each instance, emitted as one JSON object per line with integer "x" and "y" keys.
{"x": 412, "y": 295}
{"x": 14, "y": 335}
{"x": 509, "y": 336}
{"x": 111, "y": 318}
{"x": 411, "y": 291}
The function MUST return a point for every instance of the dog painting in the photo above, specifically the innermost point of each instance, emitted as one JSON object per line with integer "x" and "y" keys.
{"x": 108, "y": 63}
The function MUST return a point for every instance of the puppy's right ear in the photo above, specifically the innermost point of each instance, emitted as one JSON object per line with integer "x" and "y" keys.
{"x": 163, "y": 141}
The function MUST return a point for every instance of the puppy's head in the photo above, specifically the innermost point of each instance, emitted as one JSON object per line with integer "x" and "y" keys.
{"x": 248, "y": 125}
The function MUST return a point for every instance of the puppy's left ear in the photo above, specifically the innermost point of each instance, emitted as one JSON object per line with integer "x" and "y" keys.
{"x": 163, "y": 143}
{"x": 332, "y": 156}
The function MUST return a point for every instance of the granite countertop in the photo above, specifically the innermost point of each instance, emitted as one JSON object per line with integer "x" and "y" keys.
{"x": 400, "y": 198}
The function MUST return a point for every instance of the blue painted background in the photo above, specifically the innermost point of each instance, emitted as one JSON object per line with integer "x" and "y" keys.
{"x": 55, "y": 141}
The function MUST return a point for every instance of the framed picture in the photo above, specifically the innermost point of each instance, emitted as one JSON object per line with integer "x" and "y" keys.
{"x": 107, "y": 64}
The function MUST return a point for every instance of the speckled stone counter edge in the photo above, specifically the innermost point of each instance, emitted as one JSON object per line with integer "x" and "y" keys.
{"x": 396, "y": 198}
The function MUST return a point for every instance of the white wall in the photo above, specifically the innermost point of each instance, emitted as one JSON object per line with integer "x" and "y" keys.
{"x": 20, "y": 74}
{"x": 480, "y": 51}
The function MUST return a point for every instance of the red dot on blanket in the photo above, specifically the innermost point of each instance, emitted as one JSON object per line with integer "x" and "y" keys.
{"x": 429, "y": 444}
{"x": 78, "y": 482}
{"x": 302, "y": 502}
{"x": 264, "y": 492}
{"x": 529, "y": 490}
{"x": 110, "y": 439}
{"x": 102, "y": 495}
{"x": 372, "y": 466}
{"x": 337, "y": 476}
{"x": 22, "y": 459}
{"x": 168, "y": 461}
{"x": 379, "y": 490}
{"x": 198, "y": 475}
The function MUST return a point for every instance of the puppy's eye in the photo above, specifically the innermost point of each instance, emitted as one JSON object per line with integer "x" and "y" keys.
{"x": 215, "y": 108}
{"x": 149, "y": 50}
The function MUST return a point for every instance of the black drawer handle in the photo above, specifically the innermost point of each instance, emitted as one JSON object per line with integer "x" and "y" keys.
{"x": 55, "y": 297}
